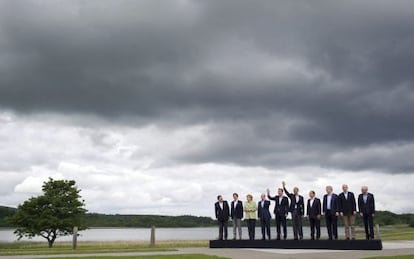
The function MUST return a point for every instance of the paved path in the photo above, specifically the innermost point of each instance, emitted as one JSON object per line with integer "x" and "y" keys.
{"x": 390, "y": 248}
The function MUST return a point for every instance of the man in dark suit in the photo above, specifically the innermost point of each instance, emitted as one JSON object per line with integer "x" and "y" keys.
{"x": 263, "y": 214}
{"x": 366, "y": 205}
{"x": 313, "y": 211}
{"x": 347, "y": 210}
{"x": 236, "y": 214}
{"x": 297, "y": 209}
{"x": 281, "y": 210}
{"x": 222, "y": 215}
{"x": 331, "y": 212}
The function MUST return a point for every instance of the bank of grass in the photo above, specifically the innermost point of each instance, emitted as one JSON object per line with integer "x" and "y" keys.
{"x": 182, "y": 256}
{"x": 392, "y": 257}
{"x": 397, "y": 233}
{"x": 37, "y": 248}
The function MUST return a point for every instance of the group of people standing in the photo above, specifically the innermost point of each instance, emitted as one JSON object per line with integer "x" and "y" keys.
{"x": 332, "y": 206}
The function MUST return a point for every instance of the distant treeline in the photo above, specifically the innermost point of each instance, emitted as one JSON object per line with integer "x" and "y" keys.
{"x": 383, "y": 218}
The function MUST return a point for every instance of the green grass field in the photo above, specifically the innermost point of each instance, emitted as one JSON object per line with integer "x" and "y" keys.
{"x": 392, "y": 257}
{"x": 184, "y": 256}
{"x": 35, "y": 248}
{"x": 398, "y": 233}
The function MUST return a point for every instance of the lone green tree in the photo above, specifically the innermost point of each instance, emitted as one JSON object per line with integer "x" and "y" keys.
{"x": 52, "y": 214}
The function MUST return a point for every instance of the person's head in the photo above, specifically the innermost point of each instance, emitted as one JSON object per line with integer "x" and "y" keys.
{"x": 249, "y": 197}
{"x": 280, "y": 191}
{"x": 329, "y": 189}
{"x": 220, "y": 198}
{"x": 364, "y": 189}
{"x": 312, "y": 194}
{"x": 263, "y": 197}
{"x": 295, "y": 190}
{"x": 345, "y": 187}
{"x": 235, "y": 196}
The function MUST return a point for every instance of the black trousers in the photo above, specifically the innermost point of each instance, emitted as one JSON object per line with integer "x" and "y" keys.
{"x": 297, "y": 224}
{"x": 369, "y": 225}
{"x": 281, "y": 221}
{"x": 251, "y": 227}
{"x": 315, "y": 223}
{"x": 265, "y": 224}
{"x": 331, "y": 225}
{"x": 223, "y": 229}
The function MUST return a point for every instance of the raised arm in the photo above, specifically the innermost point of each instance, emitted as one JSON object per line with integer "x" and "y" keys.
{"x": 270, "y": 197}
{"x": 286, "y": 191}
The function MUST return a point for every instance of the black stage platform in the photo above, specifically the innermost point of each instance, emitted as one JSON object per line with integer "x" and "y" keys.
{"x": 300, "y": 244}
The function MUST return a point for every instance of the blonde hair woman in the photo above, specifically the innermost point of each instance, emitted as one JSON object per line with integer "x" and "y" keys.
{"x": 250, "y": 208}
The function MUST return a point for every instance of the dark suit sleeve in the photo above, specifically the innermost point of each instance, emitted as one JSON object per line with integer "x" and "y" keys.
{"x": 373, "y": 204}
{"x": 216, "y": 210}
{"x": 353, "y": 203}
{"x": 319, "y": 206}
{"x": 302, "y": 205}
{"x": 340, "y": 202}
{"x": 360, "y": 203}
{"x": 287, "y": 193}
{"x": 271, "y": 198}
{"x": 324, "y": 201}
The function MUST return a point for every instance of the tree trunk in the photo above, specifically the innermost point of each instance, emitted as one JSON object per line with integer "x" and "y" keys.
{"x": 50, "y": 242}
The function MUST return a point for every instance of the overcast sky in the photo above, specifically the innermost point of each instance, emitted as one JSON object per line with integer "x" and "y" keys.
{"x": 155, "y": 107}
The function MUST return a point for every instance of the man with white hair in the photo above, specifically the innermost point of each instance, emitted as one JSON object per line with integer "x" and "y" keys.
{"x": 366, "y": 205}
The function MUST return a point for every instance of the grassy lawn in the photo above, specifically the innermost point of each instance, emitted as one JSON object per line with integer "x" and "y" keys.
{"x": 397, "y": 233}
{"x": 34, "y": 248}
{"x": 392, "y": 257}
{"x": 184, "y": 256}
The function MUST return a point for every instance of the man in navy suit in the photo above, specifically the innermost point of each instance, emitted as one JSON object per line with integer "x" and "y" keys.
{"x": 222, "y": 215}
{"x": 347, "y": 210}
{"x": 236, "y": 214}
{"x": 297, "y": 209}
{"x": 366, "y": 205}
{"x": 281, "y": 210}
{"x": 263, "y": 214}
{"x": 313, "y": 212}
{"x": 331, "y": 212}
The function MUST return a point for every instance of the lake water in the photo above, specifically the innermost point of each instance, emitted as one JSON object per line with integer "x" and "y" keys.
{"x": 162, "y": 234}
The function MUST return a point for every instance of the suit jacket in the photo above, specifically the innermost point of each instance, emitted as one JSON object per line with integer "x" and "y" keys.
{"x": 281, "y": 209}
{"x": 236, "y": 211}
{"x": 369, "y": 206}
{"x": 263, "y": 212}
{"x": 222, "y": 214}
{"x": 314, "y": 210}
{"x": 334, "y": 204}
{"x": 347, "y": 206}
{"x": 299, "y": 206}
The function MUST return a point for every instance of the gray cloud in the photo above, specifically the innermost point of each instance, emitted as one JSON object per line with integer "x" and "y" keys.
{"x": 275, "y": 84}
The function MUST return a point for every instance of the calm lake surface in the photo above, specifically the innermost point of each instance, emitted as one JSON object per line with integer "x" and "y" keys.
{"x": 162, "y": 234}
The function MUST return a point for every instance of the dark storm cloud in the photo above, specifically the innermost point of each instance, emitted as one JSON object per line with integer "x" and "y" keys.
{"x": 339, "y": 72}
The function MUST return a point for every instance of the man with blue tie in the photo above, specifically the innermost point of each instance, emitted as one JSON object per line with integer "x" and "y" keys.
{"x": 331, "y": 212}
{"x": 366, "y": 205}
{"x": 263, "y": 214}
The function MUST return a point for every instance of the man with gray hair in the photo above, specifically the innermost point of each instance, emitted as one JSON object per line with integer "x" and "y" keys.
{"x": 366, "y": 205}
{"x": 331, "y": 212}
{"x": 347, "y": 210}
